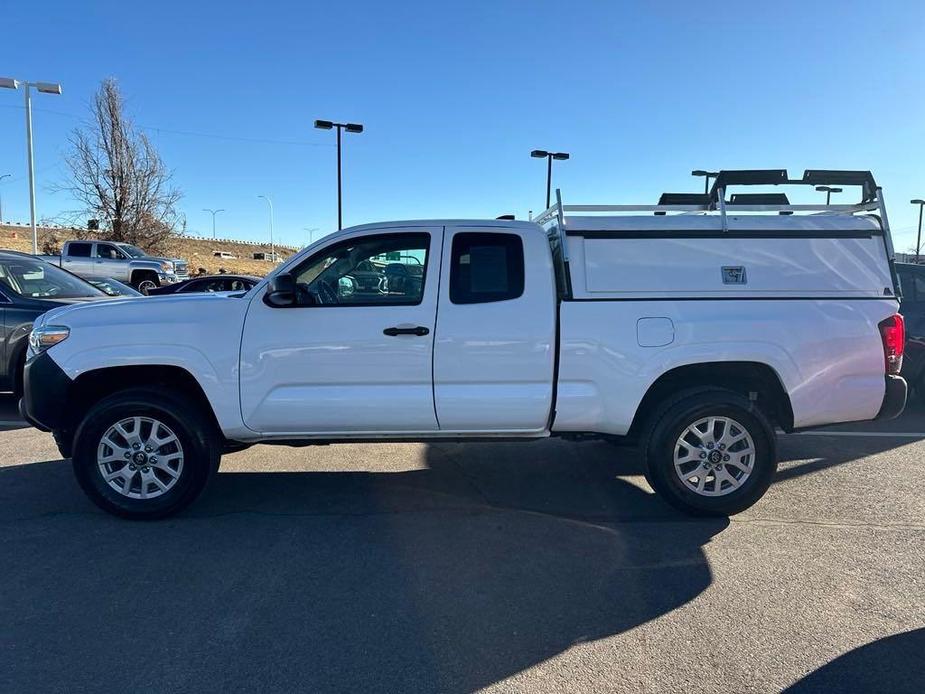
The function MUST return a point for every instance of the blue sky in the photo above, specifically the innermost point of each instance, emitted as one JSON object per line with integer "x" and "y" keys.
{"x": 455, "y": 95}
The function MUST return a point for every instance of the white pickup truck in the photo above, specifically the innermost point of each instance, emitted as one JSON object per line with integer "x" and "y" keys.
{"x": 693, "y": 332}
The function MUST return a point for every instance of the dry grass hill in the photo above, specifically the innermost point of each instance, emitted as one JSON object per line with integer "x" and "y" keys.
{"x": 198, "y": 251}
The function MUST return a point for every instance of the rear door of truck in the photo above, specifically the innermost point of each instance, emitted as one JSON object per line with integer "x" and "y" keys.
{"x": 76, "y": 257}
{"x": 494, "y": 351}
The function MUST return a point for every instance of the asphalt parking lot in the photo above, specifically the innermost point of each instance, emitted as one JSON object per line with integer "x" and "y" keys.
{"x": 539, "y": 567}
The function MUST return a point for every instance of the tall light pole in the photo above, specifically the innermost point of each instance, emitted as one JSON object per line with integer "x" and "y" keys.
{"x": 270, "y": 204}
{"x": 539, "y": 154}
{"x": 828, "y": 190}
{"x": 1, "y": 197}
{"x": 707, "y": 175}
{"x": 213, "y": 212}
{"x": 350, "y": 128}
{"x": 918, "y": 240}
{"x": 45, "y": 88}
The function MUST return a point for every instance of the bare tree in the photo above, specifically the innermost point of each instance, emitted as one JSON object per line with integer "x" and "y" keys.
{"x": 118, "y": 176}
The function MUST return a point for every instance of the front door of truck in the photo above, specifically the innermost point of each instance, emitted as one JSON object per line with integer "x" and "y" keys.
{"x": 355, "y": 354}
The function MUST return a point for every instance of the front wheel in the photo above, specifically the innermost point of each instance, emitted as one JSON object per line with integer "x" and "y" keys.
{"x": 145, "y": 286}
{"x": 711, "y": 453}
{"x": 144, "y": 453}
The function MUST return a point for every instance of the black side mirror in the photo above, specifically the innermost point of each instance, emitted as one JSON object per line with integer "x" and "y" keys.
{"x": 281, "y": 291}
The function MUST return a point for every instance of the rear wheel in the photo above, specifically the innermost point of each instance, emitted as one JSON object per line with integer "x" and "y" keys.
{"x": 711, "y": 453}
{"x": 144, "y": 453}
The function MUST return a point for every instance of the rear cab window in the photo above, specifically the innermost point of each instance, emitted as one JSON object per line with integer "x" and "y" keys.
{"x": 79, "y": 250}
{"x": 486, "y": 267}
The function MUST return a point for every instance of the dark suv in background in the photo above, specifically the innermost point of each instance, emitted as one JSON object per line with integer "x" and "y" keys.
{"x": 28, "y": 288}
{"x": 912, "y": 308}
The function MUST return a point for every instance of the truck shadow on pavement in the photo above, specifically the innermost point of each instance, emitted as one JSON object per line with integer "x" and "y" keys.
{"x": 489, "y": 561}
{"x": 893, "y": 664}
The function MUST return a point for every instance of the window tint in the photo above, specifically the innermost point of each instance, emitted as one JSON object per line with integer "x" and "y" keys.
{"x": 79, "y": 250}
{"x": 486, "y": 267}
{"x": 387, "y": 270}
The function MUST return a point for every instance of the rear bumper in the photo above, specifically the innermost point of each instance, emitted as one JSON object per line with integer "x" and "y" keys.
{"x": 45, "y": 390}
{"x": 894, "y": 398}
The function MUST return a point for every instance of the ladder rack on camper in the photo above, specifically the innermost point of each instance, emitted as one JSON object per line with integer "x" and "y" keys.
{"x": 714, "y": 203}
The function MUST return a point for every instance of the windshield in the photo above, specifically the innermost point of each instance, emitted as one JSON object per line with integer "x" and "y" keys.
{"x": 133, "y": 251}
{"x": 37, "y": 280}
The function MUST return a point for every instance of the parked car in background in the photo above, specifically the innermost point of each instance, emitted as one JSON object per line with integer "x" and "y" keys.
{"x": 112, "y": 287}
{"x": 209, "y": 283}
{"x": 29, "y": 288}
{"x": 121, "y": 261}
{"x": 224, "y": 255}
{"x": 912, "y": 307}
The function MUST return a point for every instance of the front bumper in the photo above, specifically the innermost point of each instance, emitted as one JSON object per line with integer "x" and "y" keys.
{"x": 894, "y": 398}
{"x": 45, "y": 391}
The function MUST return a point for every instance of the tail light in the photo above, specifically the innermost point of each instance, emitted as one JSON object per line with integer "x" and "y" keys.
{"x": 893, "y": 334}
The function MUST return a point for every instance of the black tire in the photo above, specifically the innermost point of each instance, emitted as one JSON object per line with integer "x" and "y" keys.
{"x": 144, "y": 282}
{"x": 670, "y": 422}
{"x": 193, "y": 429}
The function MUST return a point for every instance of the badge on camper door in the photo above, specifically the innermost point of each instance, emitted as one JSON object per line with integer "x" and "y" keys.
{"x": 734, "y": 274}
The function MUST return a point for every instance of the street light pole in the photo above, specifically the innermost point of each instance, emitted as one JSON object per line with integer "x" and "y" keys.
{"x": 918, "y": 240}
{"x": 45, "y": 88}
{"x": 214, "y": 212}
{"x": 1, "y": 197}
{"x": 270, "y": 204}
{"x": 311, "y": 234}
{"x": 707, "y": 175}
{"x": 828, "y": 190}
{"x": 350, "y": 128}
{"x": 539, "y": 154}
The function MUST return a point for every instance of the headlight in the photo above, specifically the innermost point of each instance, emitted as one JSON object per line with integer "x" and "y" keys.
{"x": 167, "y": 266}
{"x": 47, "y": 336}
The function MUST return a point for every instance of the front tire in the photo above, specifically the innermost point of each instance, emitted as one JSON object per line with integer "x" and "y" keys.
{"x": 144, "y": 453}
{"x": 710, "y": 453}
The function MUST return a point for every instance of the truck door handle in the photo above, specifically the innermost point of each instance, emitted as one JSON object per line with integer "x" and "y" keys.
{"x": 418, "y": 330}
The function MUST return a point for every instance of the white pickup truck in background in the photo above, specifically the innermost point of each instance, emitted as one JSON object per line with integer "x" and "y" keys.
{"x": 692, "y": 332}
{"x": 120, "y": 261}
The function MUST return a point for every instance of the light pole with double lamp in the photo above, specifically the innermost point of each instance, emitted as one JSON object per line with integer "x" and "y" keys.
{"x": 707, "y": 175}
{"x": 828, "y": 190}
{"x": 350, "y": 128}
{"x": 45, "y": 88}
{"x": 541, "y": 153}
{"x": 213, "y": 213}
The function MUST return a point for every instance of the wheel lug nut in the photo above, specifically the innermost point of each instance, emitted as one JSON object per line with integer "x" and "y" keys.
{"x": 127, "y": 455}
{"x": 722, "y": 446}
{"x": 703, "y": 455}
{"x": 131, "y": 466}
{"x": 145, "y": 469}
{"x": 725, "y": 457}
{"x": 710, "y": 446}
{"x": 136, "y": 446}
{"x": 147, "y": 449}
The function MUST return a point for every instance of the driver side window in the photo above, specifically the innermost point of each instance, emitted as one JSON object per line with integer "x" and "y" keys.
{"x": 381, "y": 270}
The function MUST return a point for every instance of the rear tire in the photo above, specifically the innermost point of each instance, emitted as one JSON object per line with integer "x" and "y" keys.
{"x": 710, "y": 453}
{"x": 144, "y": 453}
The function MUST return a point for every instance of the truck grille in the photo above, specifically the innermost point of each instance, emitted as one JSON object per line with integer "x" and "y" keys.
{"x": 181, "y": 268}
